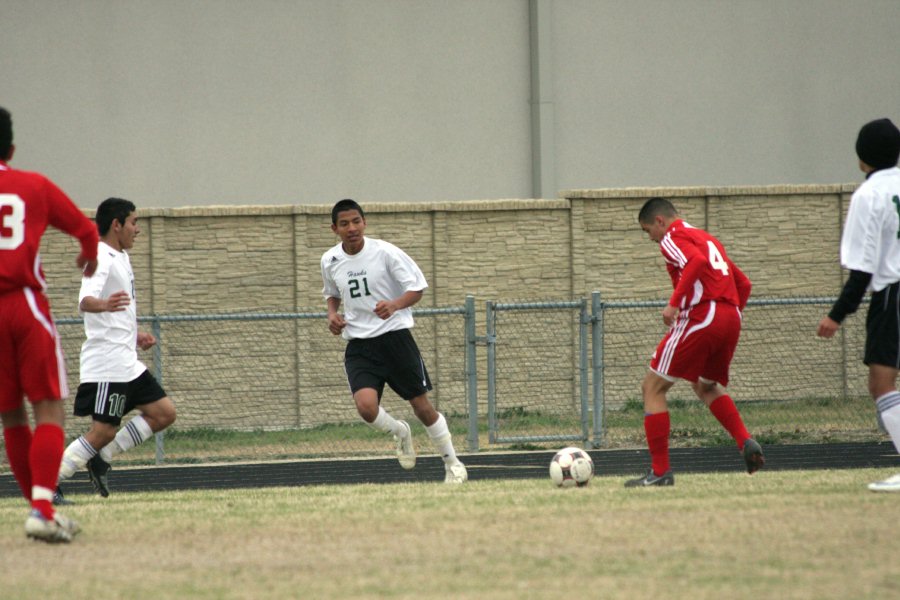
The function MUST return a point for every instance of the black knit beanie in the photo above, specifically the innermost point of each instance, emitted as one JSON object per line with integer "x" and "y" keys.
{"x": 878, "y": 144}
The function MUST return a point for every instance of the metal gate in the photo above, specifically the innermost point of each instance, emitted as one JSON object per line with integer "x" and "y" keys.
{"x": 537, "y": 372}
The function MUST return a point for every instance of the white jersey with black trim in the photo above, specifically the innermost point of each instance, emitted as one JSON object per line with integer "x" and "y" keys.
{"x": 110, "y": 351}
{"x": 380, "y": 271}
{"x": 871, "y": 238}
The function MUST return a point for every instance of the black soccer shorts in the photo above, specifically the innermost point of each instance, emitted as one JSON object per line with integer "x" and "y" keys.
{"x": 109, "y": 401}
{"x": 391, "y": 358}
{"x": 883, "y": 328}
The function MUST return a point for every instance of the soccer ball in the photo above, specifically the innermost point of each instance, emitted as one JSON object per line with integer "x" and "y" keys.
{"x": 571, "y": 467}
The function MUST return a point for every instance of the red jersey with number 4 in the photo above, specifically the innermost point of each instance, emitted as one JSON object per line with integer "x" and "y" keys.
{"x": 700, "y": 269}
{"x": 28, "y": 203}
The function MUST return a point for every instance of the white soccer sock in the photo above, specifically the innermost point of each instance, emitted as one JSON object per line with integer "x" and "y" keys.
{"x": 386, "y": 423}
{"x": 135, "y": 433}
{"x": 75, "y": 458}
{"x": 440, "y": 437}
{"x": 889, "y": 409}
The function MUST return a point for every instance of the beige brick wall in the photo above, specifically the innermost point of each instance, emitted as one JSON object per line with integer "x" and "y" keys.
{"x": 266, "y": 259}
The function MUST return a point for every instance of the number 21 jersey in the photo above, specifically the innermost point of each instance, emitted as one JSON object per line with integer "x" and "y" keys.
{"x": 380, "y": 271}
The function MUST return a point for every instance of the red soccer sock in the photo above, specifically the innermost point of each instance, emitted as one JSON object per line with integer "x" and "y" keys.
{"x": 726, "y": 412}
{"x": 18, "y": 445}
{"x": 45, "y": 457}
{"x": 657, "y": 428}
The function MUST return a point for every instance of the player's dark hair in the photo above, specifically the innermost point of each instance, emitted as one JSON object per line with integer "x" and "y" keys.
{"x": 112, "y": 209}
{"x": 656, "y": 206}
{"x": 345, "y": 204}
{"x": 6, "y": 133}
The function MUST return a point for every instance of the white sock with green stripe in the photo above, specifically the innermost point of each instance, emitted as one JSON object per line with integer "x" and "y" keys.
{"x": 75, "y": 458}
{"x": 134, "y": 434}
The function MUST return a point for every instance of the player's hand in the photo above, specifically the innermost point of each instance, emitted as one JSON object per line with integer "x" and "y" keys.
{"x": 827, "y": 327}
{"x": 87, "y": 266}
{"x": 117, "y": 301}
{"x": 145, "y": 341}
{"x": 384, "y": 309}
{"x": 336, "y": 323}
{"x": 668, "y": 315}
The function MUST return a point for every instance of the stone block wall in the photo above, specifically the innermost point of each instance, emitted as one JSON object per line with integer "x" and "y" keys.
{"x": 266, "y": 259}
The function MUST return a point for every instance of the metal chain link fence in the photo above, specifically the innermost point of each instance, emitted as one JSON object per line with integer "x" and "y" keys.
{"x": 790, "y": 386}
{"x": 272, "y": 386}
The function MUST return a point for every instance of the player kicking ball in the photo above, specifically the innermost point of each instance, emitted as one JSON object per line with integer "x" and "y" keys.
{"x": 377, "y": 283}
{"x": 704, "y": 319}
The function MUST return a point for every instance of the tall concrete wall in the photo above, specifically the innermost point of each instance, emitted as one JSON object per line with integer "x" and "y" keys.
{"x": 186, "y": 103}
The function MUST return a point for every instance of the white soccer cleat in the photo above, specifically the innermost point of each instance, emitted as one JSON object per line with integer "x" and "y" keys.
{"x": 59, "y": 530}
{"x": 456, "y": 473}
{"x": 891, "y": 484}
{"x": 406, "y": 451}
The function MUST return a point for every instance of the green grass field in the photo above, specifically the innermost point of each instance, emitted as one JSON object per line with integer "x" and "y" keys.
{"x": 816, "y": 534}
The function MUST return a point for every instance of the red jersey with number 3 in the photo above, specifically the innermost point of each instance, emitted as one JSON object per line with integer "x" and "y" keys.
{"x": 700, "y": 269}
{"x": 31, "y": 359}
{"x": 28, "y": 203}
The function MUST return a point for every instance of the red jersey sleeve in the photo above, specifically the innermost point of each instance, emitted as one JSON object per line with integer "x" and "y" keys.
{"x": 685, "y": 264}
{"x": 742, "y": 283}
{"x": 689, "y": 274}
{"x": 65, "y": 216}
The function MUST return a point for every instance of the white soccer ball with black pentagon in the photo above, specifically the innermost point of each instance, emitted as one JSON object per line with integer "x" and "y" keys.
{"x": 571, "y": 467}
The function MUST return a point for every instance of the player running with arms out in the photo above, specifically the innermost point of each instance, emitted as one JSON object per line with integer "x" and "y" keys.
{"x": 870, "y": 249}
{"x": 377, "y": 283}
{"x": 704, "y": 320}
{"x": 31, "y": 360}
{"x": 113, "y": 380}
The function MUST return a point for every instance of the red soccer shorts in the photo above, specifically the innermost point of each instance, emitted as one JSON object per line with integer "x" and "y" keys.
{"x": 31, "y": 359}
{"x": 700, "y": 345}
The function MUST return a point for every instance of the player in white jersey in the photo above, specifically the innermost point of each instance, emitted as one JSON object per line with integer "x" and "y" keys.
{"x": 377, "y": 283}
{"x": 113, "y": 380}
{"x": 870, "y": 249}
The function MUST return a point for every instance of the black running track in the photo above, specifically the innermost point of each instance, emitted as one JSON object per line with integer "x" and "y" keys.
{"x": 489, "y": 465}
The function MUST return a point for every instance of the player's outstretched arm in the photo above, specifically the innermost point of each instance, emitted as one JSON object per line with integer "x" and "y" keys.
{"x": 114, "y": 303}
{"x": 336, "y": 322}
{"x": 851, "y": 296}
{"x": 742, "y": 283}
{"x": 145, "y": 340}
{"x": 385, "y": 308}
{"x": 827, "y": 327}
{"x": 87, "y": 266}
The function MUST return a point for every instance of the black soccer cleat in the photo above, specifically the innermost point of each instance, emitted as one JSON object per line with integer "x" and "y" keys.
{"x": 753, "y": 456}
{"x": 98, "y": 471}
{"x": 652, "y": 479}
{"x": 59, "y": 498}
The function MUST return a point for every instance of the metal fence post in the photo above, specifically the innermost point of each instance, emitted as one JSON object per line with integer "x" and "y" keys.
{"x": 471, "y": 373}
{"x": 582, "y": 368}
{"x": 157, "y": 361}
{"x": 597, "y": 357}
{"x": 491, "y": 372}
